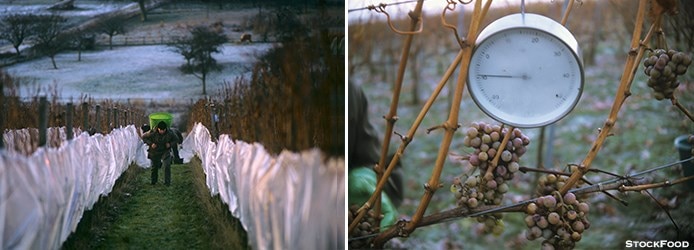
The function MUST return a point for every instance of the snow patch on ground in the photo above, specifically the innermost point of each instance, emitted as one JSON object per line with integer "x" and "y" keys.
{"x": 81, "y": 9}
{"x": 137, "y": 72}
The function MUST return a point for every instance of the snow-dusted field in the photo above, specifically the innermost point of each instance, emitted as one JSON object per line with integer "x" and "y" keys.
{"x": 82, "y": 8}
{"x": 139, "y": 72}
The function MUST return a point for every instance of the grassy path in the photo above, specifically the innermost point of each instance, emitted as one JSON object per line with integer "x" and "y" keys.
{"x": 138, "y": 215}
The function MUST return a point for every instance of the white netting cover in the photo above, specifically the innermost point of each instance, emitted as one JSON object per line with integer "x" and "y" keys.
{"x": 292, "y": 201}
{"x": 43, "y": 196}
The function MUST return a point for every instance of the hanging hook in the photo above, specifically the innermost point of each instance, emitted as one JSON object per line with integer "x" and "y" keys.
{"x": 381, "y": 8}
{"x": 451, "y": 6}
{"x": 523, "y": 8}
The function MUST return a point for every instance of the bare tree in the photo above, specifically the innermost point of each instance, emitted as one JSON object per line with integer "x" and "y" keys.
{"x": 111, "y": 27}
{"x": 143, "y": 9}
{"x": 198, "y": 50}
{"x": 82, "y": 40}
{"x": 49, "y": 37}
{"x": 16, "y": 28}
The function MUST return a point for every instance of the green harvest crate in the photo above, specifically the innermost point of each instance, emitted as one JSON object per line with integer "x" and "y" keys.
{"x": 157, "y": 117}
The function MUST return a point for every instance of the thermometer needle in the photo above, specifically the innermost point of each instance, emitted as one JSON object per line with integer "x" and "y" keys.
{"x": 524, "y": 77}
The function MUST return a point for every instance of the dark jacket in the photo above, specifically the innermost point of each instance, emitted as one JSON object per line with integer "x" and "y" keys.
{"x": 153, "y": 137}
{"x": 364, "y": 146}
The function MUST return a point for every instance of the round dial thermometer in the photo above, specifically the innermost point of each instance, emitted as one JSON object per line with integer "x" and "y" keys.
{"x": 526, "y": 71}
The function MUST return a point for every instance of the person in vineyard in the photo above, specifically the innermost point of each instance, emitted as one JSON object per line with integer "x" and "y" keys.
{"x": 177, "y": 158}
{"x": 363, "y": 152}
{"x": 160, "y": 142}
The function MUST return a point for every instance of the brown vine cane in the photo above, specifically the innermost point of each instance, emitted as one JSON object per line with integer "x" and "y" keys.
{"x": 391, "y": 117}
{"x": 405, "y": 228}
{"x": 623, "y": 92}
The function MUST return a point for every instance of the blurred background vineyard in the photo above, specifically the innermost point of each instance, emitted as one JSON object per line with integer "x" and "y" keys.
{"x": 288, "y": 96}
{"x": 643, "y": 136}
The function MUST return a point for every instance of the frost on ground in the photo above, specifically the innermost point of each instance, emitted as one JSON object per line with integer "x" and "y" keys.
{"x": 138, "y": 72}
{"x": 82, "y": 9}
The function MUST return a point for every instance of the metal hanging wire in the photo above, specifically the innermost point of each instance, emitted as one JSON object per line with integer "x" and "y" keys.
{"x": 373, "y": 7}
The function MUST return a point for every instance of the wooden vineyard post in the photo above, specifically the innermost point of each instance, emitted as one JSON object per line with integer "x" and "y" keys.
{"x": 98, "y": 119}
{"x": 108, "y": 120}
{"x": 43, "y": 120}
{"x": 85, "y": 116}
{"x": 69, "y": 125}
{"x": 115, "y": 118}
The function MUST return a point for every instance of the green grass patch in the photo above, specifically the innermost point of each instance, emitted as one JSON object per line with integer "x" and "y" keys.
{"x": 138, "y": 214}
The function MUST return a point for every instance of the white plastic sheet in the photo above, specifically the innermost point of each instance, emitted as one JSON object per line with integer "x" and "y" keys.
{"x": 20, "y": 140}
{"x": 292, "y": 201}
{"x": 43, "y": 196}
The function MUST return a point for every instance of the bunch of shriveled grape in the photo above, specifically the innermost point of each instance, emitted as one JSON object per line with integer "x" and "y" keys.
{"x": 492, "y": 223}
{"x": 489, "y": 186}
{"x": 367, "y": 226}
{"x": 663, "y": 67}
{"x": 549, "y": 183}
{"x": 560, "y": 221}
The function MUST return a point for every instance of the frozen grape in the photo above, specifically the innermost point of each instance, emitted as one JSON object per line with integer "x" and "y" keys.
{"x": 506, "y": 156}
{"x": 531, "y": 208}
{"x": 491, "y": 184}
{"x": 485, "y": 148}
{"x": 483, "y": 156}
{"x": 562, "y": 221}
{"x": 513, "y": 167}
{"x": 367, "y": 226}
{"x": 529, "y": 221}
{"x": 472, "y": 202}
{"x": 494, "y": 136}
{"x": 551, "y": 178}
{"x": 550, "y": 201}
{"x": 471, "y": 181}
{"x": 475, "y": 142}
{"x": 571, "y": 215}
{"x": 583, "y": 207}
{"x": 547, "y": 246}
{"x": 542, "y": 223}
{"x": 553, "y": 218}
{"x": 486, "y": 139}
{"x": 472, "y": 132}
{"x": 578, "y": 226}
{"x": 663, "y": 67}
{"x": 485, "y": 183}
{"x": 576, "y": 236}
{"x": 570, "y": 198}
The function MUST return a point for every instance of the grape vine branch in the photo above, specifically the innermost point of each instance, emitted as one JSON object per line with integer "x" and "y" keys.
{"x": 626, "y": 183}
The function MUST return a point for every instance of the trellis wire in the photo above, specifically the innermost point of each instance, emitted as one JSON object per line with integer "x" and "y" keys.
{"x": 586, "y": 189}
{"x": 370, "y": 7}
